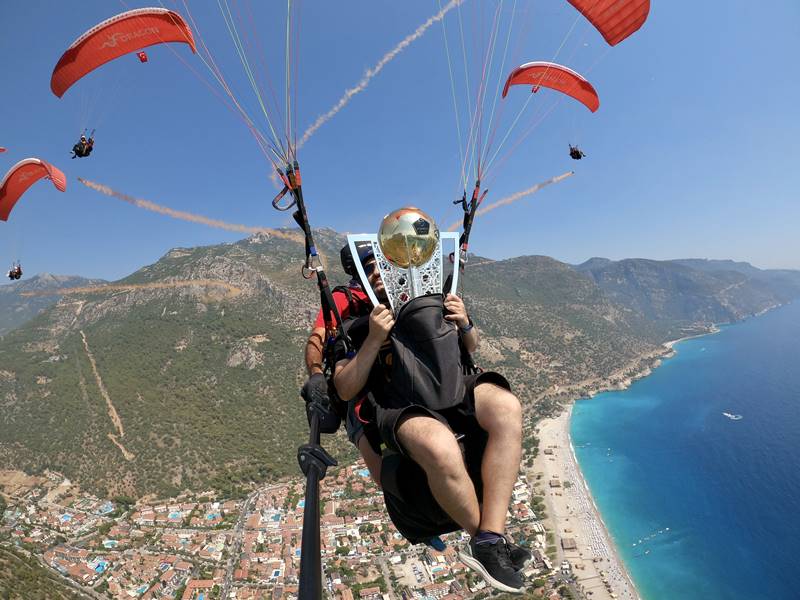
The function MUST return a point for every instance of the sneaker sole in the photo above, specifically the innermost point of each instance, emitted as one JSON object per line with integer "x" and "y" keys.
{"x": 473, "y": 563}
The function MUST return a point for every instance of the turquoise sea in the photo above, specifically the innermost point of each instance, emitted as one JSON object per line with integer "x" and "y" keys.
{"x": 702, "y": 506}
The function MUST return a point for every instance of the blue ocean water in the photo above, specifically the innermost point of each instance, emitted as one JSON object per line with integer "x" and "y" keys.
{"x": 702, "y": 506}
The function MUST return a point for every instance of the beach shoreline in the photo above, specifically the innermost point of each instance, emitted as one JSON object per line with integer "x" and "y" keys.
{"x": 572, "y": 513}
{"x": 714, "y": 329}
{"x": 581, "y": 537}
{"x": 623, "y": 377}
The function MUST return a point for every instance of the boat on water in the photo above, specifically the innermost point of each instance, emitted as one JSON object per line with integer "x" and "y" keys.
{"x": 732, "y": 417}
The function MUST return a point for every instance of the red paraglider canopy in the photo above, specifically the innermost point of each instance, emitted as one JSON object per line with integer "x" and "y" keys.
{"x": 556, "y": 77}
{"x": 22, "y": 176}
{"x": 127, "y": 32}
{"x": 614, "y": 19}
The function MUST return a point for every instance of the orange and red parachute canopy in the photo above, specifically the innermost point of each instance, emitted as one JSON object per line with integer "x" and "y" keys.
{"x": 125, "y": 33}
{"x": 614, "y": 19}
{"x": 557, "y": 77}
{"x": 22, "y": 176}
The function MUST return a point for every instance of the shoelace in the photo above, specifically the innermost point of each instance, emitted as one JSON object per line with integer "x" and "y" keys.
{"x": 504, "y": 556}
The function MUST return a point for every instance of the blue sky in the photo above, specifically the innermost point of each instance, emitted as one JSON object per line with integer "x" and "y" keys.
{"x": 692, "y": 153}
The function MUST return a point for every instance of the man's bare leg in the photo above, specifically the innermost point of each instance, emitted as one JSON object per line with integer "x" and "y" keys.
{"x": 434, "y": 448}
{"x": 371, "y": 459}
{"x": 499, "y": 414}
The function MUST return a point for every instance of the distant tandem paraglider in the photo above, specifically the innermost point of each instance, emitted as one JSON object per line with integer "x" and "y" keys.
{"x": 562, "y": 79}
{"x": 15, "y": 272}
{"x": 123, "y": 34}
{"x": 576, "y": 153}
{"x": 84, "y": 146}
{"x": 22, "y": 176}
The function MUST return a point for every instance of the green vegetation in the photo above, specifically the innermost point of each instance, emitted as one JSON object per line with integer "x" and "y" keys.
{"x": 345, "y": 570}
{"x": 188, "y": 519}
{"x": 24, "y": 578}
{"x": 379, "y": 582}
{"x": 203, "y": 405}
{"x": 205, "y": 382}
{"x": 537, "y": 504}
{"x": 291, "y": 501}
{"x": 16, "y": 309}
{"x": 367, "y": 528}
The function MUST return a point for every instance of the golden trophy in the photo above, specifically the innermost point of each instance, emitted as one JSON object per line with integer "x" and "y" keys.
{"x": 408, "y": 237}
{"x": 409, "y": 256}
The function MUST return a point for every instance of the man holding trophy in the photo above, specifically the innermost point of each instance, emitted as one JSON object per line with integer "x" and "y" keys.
{"x": 455, "y": 438}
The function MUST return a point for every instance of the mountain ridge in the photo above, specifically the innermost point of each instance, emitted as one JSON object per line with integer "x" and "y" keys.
{"x": 185, "y": 374}
{"x": 22, "y": 300}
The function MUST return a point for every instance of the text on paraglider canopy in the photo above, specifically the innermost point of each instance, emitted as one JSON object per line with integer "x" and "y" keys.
{"x": 122, "y": 37}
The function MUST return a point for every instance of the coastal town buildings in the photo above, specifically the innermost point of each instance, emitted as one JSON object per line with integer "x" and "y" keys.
{"x": 194, "y": 547}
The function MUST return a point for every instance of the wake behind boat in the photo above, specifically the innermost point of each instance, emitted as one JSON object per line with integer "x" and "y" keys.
{"x": 732, "y": 417}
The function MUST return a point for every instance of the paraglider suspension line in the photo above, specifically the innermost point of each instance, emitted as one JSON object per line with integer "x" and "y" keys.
{"x": 470, "y": 208}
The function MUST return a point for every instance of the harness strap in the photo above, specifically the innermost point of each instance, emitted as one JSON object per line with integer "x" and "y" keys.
{"x": 293, "y": 183}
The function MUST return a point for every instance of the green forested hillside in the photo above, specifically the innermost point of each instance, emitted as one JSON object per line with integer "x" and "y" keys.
{"x": 545, "y": 324}
{"x": 204, "y": 382}
{"x": 22, "y": 300}
{"x": 157, "y": 384}
{"x": 23, "y": 578}
{"x": 688, "y": 291}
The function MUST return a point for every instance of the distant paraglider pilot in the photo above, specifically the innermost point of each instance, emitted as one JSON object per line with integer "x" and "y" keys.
{"x": 575, "y": 152}
{"x": 79, "y": 148}
{"x": 83, "y": 148}
{"x": 15, "y": 272}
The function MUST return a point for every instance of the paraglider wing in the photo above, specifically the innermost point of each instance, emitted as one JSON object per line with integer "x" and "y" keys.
{"x": 22, "y": 176}
{"x": 556, "y": 77}
{"x": 127, "y": 32}
{"x": 614, "y": 19}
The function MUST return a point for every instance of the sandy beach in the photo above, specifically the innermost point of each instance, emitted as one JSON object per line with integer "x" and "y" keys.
{"x": 573, "y": 517}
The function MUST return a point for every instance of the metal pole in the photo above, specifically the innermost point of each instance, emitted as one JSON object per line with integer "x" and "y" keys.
{"x": 314, "y": 462}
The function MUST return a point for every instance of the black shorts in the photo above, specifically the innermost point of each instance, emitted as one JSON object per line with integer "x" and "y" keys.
{"x": 407, "y": 494}
{"x": 352, "y": 424}
{"x": 460, "y": 419}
